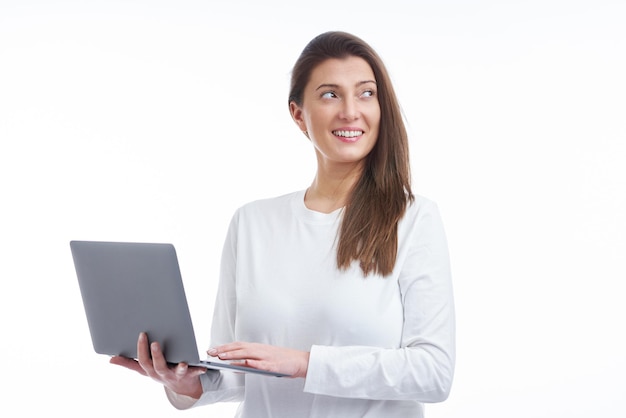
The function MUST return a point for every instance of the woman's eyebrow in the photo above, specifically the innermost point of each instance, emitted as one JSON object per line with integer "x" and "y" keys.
{"x": 327, "y": 86}
{"x": 336, "y": 86}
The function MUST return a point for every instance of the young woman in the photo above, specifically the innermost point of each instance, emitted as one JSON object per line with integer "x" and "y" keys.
{"x": 344, "y": 286}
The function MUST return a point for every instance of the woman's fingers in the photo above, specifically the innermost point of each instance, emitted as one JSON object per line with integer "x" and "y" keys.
{"x": 237, "y": 351}
{"x": 143, "y": 364}
{"x": 159, "y": 365}
{"x": 267, "y": 357}
{"x": 143, "y": 354}
{"x": 128, "y": 363}
{"x": 181, "y": 370}
{"x": 151, "y": 362}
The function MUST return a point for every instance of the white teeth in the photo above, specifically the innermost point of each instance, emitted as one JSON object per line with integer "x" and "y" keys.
{"x": 348, "y": 134}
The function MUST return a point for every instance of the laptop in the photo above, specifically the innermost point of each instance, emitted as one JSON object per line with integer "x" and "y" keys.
{"x": 130, "y": 287}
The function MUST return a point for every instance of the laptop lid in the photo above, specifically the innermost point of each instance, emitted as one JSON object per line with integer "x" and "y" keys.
{"x": 128, "y": 288}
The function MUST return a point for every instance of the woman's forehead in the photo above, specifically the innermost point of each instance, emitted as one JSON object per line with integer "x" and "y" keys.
{"x": 342, "y": 71}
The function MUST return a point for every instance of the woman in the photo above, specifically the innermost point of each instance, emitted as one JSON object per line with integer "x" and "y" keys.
{"x": 344, "y": 286}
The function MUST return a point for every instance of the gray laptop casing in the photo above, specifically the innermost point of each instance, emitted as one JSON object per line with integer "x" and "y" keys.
{"x": 130, "y": 287}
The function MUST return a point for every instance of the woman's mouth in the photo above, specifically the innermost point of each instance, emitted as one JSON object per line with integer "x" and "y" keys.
{"x": 348, "y": 136}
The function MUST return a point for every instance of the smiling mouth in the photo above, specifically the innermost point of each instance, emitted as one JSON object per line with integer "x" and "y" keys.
{"x": 348, "y": 134}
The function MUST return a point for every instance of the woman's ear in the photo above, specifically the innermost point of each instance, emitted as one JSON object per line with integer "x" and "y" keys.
{"x": 296, "y": 114}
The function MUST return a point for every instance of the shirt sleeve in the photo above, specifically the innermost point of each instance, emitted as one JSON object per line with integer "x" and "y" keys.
{"x": 217, "y": 386}
{"x": 422, "y": 368}
{"x": 220, "y": 386}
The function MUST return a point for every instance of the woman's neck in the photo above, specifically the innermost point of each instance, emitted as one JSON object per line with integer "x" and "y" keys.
{"x": 329, "y": 192}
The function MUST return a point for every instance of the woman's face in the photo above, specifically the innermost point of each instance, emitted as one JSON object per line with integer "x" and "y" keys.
{"x": 340, "y": 110}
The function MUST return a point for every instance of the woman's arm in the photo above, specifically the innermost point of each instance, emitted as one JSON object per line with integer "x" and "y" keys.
{"x": 422, "y": 367}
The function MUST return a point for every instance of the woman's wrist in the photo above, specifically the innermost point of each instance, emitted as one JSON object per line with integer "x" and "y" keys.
{"x": 180, "y": 401}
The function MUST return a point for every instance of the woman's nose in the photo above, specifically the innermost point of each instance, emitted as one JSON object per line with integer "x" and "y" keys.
{"x": 349, "y": 110}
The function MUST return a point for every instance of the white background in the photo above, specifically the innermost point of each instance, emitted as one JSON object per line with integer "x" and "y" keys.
{"x": 154, "y": 120}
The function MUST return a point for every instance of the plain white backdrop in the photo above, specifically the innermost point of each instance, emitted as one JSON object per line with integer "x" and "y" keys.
{"x": 154, "y": 120}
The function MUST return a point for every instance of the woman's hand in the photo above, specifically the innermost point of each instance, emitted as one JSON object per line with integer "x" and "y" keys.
{"x": 294, "y": 363}
{"x": 181, "y": 378}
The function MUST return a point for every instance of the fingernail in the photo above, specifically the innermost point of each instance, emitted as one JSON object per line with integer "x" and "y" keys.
{"x": 212, "y": 352}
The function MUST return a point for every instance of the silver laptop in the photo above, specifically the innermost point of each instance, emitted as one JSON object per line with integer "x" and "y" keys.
{"x": 128, "y": 288}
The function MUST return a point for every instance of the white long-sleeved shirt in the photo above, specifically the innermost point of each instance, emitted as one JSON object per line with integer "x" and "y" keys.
{"x": 379, "y": 346}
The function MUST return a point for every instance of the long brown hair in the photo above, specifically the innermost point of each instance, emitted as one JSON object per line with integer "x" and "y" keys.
{"x": 378, "y": 200}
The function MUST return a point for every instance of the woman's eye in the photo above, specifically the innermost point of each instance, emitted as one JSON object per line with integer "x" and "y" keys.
{"x": 368, "y": 93}
{"x": 329, "y": 95}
